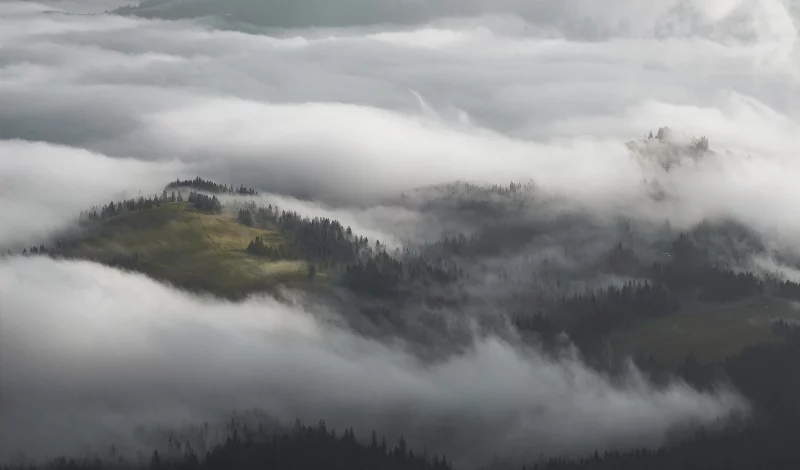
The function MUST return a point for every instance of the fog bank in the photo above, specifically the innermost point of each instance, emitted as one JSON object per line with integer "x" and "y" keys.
{"x": 104, "y": 351}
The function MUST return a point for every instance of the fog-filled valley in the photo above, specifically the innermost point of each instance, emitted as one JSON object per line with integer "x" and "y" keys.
{"x": 433, "y": 234}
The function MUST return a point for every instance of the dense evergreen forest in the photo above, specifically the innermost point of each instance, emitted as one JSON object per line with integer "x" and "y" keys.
{"x": 367, "y": 268}
{"x": 300, "y": 448}
{"x": 205, "y": 203}
{"x": 766, "y": 374}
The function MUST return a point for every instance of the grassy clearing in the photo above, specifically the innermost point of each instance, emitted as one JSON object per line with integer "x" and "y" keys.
{"x": 711, "y": 331}
{"x": 190, "y": 249}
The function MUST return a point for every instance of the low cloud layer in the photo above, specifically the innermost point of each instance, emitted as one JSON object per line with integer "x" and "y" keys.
{"x": 105, "y": 351}
{"x": 43, "y": 187}
{"x": 355, "y": 114}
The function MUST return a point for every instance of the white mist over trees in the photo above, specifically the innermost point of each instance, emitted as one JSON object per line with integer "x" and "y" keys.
{"x": 108, "y": 351}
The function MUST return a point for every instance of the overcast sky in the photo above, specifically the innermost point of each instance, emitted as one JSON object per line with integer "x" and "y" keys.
{"x": 348, "y": 103}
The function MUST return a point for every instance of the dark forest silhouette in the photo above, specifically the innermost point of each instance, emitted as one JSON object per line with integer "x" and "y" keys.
{"x": 300, "y": 448}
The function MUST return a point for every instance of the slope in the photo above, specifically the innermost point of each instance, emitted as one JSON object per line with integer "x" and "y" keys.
{"x": 188, "y": 248}
{"x": 710, "y": 331}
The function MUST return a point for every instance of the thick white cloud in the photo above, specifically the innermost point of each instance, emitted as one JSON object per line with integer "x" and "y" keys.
{"x": 89, "y": 352}
{"x": 350, "y": 114}
{"x": 44, "y": 187}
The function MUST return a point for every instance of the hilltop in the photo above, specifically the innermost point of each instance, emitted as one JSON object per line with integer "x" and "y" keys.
{"x": 187, "y": 237}
{"x": 189, "y": 248}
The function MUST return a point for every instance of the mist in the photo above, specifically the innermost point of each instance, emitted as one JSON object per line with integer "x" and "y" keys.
{"x": 44, "y": 187}
{"x": 352, "y": 115}
{"x": 105, "y": 351}
{"x": 368, "y": 112}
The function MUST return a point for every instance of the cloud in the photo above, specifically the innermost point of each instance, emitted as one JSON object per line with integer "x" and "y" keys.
{"x": 471, "y": 90}
{"x": 105, "y": 351}
{"x": 578, "y": 19}
{"x": 44, "y": 187}
{"x": 267, "y": 108}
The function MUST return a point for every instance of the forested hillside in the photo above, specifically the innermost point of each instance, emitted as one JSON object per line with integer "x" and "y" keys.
{"x": 190, "y": 238}
{"x": 683, "y": 315}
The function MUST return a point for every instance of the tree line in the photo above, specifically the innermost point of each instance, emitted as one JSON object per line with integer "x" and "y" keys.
{"x": 365, "y": 267}
{"x": 113, "y": 209}
{"x": 383, "y": 275}
{"x": 205, "y": 203}
{"x": 319, "y": 240}
{"x": 198, "y": 199}
{"x": 208, "y": 186}
{"x": 587, "y": 317}
{"x": 300, "y": 448}
{"x": 709, "y": 282}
